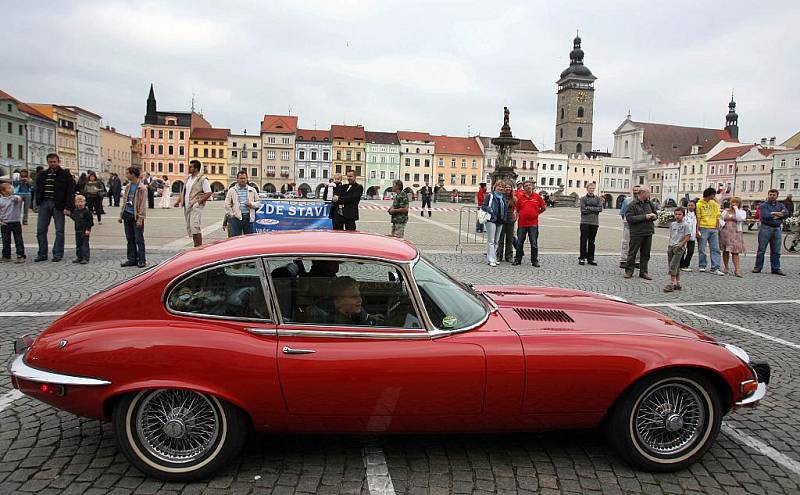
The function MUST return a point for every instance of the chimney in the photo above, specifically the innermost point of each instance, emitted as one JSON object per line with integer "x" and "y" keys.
{"x": 772, "y": 141}
{"x": 763, "y": 141}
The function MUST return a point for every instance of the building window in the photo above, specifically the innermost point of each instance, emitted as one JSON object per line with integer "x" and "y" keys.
{"x": 234, "y": 154}
{"x": 427, "y": 162}
{"x": 441, "y": 162}
{"x": 453, "y": 179}
{"x": 560, "y": 135}
{"x": 301, "y": 172}
{"x": 270, "y": 155}
{"x": 358, "y": 156}
{"x": 313, "y": 155}
{"x": 301, "y": 155}
{"x": 580, "y": 112}
{"x": 244, "y": 153}
{"x": 562, "y": 113}
{"x": 349, "y": 155}
{"x": 580, "y": 132}
{"x": 284, "y": 155}
{"x": 171, "y": 150}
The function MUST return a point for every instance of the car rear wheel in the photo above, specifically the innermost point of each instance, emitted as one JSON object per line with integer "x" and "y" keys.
{"x": 666, "y": 421}
{"x": 178, "y": 435}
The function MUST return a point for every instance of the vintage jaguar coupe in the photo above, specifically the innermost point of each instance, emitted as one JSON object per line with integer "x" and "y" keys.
{"x": 354, "y": 332}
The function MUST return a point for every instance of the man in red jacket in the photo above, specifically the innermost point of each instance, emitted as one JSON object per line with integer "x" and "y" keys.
{"x": 528, "y": 205}
{"x": 480, "y": 198}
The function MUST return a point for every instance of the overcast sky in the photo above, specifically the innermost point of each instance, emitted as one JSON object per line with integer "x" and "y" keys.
{"x": 441, "y": 67}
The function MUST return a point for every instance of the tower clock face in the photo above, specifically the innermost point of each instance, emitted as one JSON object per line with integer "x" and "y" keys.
{"x": 581, "y": 97}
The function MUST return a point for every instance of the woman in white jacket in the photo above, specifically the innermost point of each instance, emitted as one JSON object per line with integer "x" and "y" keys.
{"x": 241, "y": 203}
{"x": 691, "y": 223}
{"x": 731, "y": 240}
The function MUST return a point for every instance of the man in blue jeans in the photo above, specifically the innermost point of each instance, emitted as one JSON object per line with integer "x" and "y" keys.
{"x": 772, "y": 217}
{"x": 55, "y": 195}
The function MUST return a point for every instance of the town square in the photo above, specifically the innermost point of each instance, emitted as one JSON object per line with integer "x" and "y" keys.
{"x": 238, "y": 262}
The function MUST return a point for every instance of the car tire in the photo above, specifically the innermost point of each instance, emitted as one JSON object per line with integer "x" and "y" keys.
{"x": 652, "y": 432}
{"x": 178, "y": 435}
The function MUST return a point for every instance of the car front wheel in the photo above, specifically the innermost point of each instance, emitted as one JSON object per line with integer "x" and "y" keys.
{"x": 178, "y": 435}
{"x": 666, "y": 421}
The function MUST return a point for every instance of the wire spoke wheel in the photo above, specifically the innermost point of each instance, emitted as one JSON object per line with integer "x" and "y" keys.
{"x": 669, "y": 419}
{"x": 177, "y": 426}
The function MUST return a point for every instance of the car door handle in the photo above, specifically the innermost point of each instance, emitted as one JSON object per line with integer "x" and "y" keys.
{"x": 289, "y": 350}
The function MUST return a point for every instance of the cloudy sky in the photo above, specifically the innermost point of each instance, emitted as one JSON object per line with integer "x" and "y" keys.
{"x": 444, "y": 67}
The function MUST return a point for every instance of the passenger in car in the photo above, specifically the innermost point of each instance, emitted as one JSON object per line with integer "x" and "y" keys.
{"x": 314, "y": 291}
{"x": 347, "y": 304}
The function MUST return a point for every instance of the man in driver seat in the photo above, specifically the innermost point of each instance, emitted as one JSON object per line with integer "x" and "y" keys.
{"x": 347, "y": 304}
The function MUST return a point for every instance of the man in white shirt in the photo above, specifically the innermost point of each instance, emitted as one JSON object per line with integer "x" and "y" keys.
{"x": 194, "y": 197}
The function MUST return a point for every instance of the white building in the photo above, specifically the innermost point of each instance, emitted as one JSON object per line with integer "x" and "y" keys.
{"x": 41, "y": 137}
{"x": 670, "y": 183}
{"x": 582, "y": 171}
{"x": 786, "y": 173}
{"x": 313, "y": 158}
{"x": 551, "y": 171}
{"x": 616, "y": 184}
{"x": 244, "y": 153}
{"x": 88, "y": 129}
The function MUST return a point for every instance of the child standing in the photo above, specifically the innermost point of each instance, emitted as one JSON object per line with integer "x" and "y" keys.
{"x": 10, "y": 217}
{"x": 82, "y": 217}
{"x": 691, "y": 222}
{"x": 678, "y": 237}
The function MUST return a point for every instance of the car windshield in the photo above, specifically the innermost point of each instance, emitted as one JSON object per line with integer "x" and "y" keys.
{"x": 450, "y": 305}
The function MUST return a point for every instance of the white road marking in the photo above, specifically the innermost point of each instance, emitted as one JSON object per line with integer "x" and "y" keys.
{"x": 755, "y": 444}
{"x": 14, "y": 314}
{"x": 9, "y": 397}
{"x": 720, "y": 303}
{"x": 185, "y": 241}
{"x": 379, "y": 481}
{"x": 777, "y": 340}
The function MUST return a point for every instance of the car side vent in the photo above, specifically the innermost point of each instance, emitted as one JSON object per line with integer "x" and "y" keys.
{"x": 543, "y": 315}
{"x": 506, "y": 293}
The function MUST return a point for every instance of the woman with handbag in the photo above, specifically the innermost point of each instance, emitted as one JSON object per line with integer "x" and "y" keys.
{"x": 94, "y": 190}
{"x": 731, "y": 239}
{"x": 494, "y": 211}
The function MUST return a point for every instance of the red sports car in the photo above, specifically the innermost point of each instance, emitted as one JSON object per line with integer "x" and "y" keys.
{"x": 353, "y": 332}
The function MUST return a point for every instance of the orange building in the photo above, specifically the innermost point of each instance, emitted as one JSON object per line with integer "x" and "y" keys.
{"x": 458, "y": 162}
{"x": 165, "y": 141}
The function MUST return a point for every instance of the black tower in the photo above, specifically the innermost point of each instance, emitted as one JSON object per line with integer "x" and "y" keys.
{"x": 732, "y": 120}
{"x": 151, "y": 117}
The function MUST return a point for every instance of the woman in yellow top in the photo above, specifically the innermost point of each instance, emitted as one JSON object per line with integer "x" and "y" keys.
{"x": 708, "y": 215}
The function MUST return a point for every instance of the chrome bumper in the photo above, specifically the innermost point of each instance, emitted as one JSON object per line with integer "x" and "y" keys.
{"x": 754, "y": 399}
{"x": 18, "y": 369}
{"x": 763, "y": 373}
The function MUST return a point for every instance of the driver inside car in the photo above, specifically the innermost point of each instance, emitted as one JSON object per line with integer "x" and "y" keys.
{"x": 347, "y": 304}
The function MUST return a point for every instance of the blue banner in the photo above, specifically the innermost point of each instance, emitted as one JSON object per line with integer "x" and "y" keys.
{"x": 292, "y": 215}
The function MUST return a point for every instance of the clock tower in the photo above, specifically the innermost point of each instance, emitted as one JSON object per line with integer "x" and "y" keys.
{"x": 575, "y": 106}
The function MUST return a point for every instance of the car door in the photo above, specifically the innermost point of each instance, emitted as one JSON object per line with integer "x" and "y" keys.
{"x": 332, "y": 362}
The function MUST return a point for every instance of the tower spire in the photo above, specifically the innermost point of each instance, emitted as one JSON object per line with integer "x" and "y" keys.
{"x": 732, "y": 119}
{"x": 151, "y": 116}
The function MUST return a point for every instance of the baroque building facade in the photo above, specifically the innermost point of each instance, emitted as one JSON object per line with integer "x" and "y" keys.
{"x": 313, "y": 159}
{"x": 88, "y": 137}
{"x": 244, "y": 153}
{"x": 13, "y": 150}
{"x": 278, "y": 133}
{"x": 383, "y": 162}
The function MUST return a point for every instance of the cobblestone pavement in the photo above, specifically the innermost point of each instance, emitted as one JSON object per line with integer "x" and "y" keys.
{"x": 43, "y": 450}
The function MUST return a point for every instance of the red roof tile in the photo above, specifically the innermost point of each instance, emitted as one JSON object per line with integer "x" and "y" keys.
{"x": 669, "y": 142}
{"x": 279, "y": 124}
{"x": 377, "y": 137}
{"x": 23, "y": 107}
{"x": 210, "y": 133}
{"x": 446, "y": 145}
{"x": 351, "y": 132}
{"x": 314, "y": 135}
{"x": 414, "y": 136}
{"x": 731, "y": 153}
{"x": 767, "y": 151}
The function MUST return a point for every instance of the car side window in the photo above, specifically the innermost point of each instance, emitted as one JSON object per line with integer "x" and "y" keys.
{"x": 342, "y": 292}
{"x": 230, "y": 291}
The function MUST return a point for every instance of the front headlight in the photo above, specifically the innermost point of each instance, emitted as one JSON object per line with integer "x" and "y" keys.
{"x": 738, "y": 352}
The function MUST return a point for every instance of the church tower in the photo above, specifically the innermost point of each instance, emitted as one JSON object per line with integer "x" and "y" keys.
{"x": 732, "y": 120}
{"x": 151, "y": 116}
{"x": 575, "y": 107}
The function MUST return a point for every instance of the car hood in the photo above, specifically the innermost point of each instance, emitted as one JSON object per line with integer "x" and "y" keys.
{"x": 529, "y": 310}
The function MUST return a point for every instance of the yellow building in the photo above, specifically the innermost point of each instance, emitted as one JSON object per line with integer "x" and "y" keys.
{"x": 209, "y": 145}
{"x": 115, "y": 151}
{"x": 349, "y": 152}
{"x": 581, "y": 171}
{"x": 66, "y": 133}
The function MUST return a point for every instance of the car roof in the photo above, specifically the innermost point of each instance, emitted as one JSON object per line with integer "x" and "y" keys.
{"x": 308, "y": 242}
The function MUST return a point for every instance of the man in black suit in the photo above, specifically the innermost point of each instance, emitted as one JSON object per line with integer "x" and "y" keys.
{"x": 345, "y": 203}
